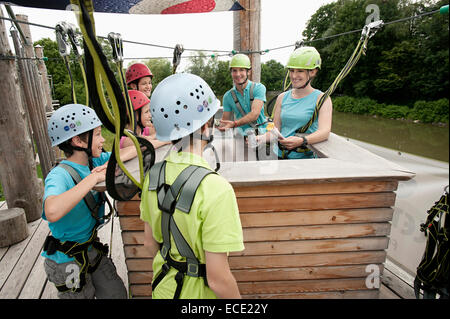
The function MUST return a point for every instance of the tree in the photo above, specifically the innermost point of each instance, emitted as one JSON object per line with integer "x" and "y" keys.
{"x": 404, "y": 62}
{"x": 272, "y": 75}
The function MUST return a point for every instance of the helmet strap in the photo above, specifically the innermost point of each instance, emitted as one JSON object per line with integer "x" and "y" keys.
{"x": 307, "y": 82}
{"x": 87, "y": 150}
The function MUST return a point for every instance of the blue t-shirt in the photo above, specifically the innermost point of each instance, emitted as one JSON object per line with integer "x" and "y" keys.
{"x": 295, "y": 113}
{"x": 76, "y": 225}
{"x": 259, "y": 93}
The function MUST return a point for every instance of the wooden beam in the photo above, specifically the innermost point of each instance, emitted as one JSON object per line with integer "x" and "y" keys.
{"x": 17, "y": 164}
{"x": 246, "y": 34}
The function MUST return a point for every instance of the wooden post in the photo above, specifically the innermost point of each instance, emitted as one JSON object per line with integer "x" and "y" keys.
{"x": 246, "y": 34}
{"x": 39, "y": 51}
{"x": 17, "y": 166}
{"x": 33, "y": 93}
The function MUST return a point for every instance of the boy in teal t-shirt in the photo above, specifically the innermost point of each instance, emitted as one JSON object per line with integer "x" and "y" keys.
{"x": 75, "y": 261}
{"x": 212, "y": 227}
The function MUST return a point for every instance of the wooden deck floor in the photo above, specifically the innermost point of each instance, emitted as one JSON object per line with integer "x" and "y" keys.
{"x": 22, "y": 273}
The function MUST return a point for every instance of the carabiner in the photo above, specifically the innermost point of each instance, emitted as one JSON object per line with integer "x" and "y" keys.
{"x": 115, "y": 39}
{"x": 177, "y": 51}
{"x": 62, "y": 38}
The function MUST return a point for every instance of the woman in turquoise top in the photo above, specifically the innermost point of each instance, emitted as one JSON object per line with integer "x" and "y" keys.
{"x": 294, "y": 108}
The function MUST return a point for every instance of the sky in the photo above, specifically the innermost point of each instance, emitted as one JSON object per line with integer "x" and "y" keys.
{"x": 282, "y": 23}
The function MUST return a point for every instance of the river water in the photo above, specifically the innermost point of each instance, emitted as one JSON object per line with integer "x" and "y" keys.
{"x": 420, "y": 139}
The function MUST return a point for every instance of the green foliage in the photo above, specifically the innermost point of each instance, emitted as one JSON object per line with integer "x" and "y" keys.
{"x": 272, "y": 75}
{"x": 404, "y": 62}
{"x": 429, "y": 112}
{"x": 213, "y": 71}
{"x": 161, "y": 68}
{"x": 426, "y": 112}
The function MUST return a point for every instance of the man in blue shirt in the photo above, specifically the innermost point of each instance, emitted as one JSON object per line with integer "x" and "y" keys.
{"x": 246, "y": 100}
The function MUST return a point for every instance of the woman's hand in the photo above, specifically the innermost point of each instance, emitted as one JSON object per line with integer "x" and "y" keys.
{"x": 291, "y": 142}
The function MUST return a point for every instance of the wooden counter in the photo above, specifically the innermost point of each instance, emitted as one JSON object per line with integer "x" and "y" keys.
{"x": 315, "y": 228}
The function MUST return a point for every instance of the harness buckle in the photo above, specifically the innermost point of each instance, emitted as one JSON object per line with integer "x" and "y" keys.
{"x": 192, "y": 270}
{"x": 164, "y": 251}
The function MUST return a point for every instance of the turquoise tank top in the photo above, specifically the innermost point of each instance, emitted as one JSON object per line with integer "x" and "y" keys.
{"x": 295, "y": 113}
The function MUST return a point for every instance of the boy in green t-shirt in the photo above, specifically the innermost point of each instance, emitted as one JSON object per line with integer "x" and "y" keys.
{"x": 183, "y": 108}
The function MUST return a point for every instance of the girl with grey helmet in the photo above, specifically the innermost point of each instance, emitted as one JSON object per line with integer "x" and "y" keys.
{"x": 183, "y": 108}
{"x": 73, "y": 210}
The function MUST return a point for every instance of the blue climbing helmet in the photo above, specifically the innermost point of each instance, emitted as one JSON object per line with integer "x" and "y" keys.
{"x": 69, "y": 121}
{"x": 180, "y": 105}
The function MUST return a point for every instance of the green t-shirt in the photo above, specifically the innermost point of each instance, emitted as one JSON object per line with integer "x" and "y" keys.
{"x": 213, "y": 224}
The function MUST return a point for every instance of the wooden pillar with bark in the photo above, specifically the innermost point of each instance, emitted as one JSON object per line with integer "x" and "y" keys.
{"x": 246, "y": 34}
{"x": 17, "y": 165}
{"x": 34, "y": 98}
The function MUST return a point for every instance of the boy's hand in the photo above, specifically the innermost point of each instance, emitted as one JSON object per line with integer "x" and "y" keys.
{"x": 100, "y": 172}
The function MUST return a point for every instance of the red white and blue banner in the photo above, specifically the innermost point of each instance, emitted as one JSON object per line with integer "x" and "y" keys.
{"x": 140, "y": 6}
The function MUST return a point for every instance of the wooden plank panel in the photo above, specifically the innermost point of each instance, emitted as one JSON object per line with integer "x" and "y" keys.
{"x": 13, "y": 253}
{"x": 140, "y": 277}
{"x": 35, "y": 284}
{"x": 290, "y": 203}
{"x": 146, "y": 291}
{"x": 130, "y": 223}
{"x": 128, "y": 208}
{"x": 288, "y": 217}
{"x": 296, "y": 286}
{"x": 315, "y": 202}
{"x": 343, "y": 294}
{"x": 316, "y": 217}
{"x": 312, "y": 246}
{"x": 293, "y": 232}
{"x": 141, "y": 290}
{"x": 305, "y": 260}
{"x": 315, "y": 232}
{"x": 276, "y": 274}
{"x": 17, "y": 278}
{"x": 301, "y": 273}
{"x": 141, "y": 264}
{"x": 290, "y": 247}
{"x": 133, "y": 237}
{"x": 314, "y": 189}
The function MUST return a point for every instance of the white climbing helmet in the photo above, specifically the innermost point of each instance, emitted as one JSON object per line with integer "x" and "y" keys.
{"x": 71, "y": 120}
{"x": 180, "y": 105}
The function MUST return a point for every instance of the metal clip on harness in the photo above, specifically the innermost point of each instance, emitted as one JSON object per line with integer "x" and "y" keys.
{"x": 115, "y": 39}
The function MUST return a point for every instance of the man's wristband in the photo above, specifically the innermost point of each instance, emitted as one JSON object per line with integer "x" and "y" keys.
{"x": 235, "y": 123}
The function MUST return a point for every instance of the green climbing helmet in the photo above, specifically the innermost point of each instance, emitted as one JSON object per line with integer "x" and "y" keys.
{"x": 240, "y": 61}
{"x": 307, "y": 58}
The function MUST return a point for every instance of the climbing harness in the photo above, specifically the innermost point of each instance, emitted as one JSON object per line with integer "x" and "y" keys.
{"x": 368, "y": 32}
{"x": 79, "y": 251}
{"x": 433, "y": 272}
{"x": 179, "y": 195}
{"x": 177, "y": 51}
{"x": 113, "y": 114}
{"x": 253, "y": 124}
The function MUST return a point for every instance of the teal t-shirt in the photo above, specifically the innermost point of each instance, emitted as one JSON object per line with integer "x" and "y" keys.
{"x": 259, "y": 93}
{"x": 295, "y": 113}
{"x": 212, "y": 225}
{"x": 77, "y": 225}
